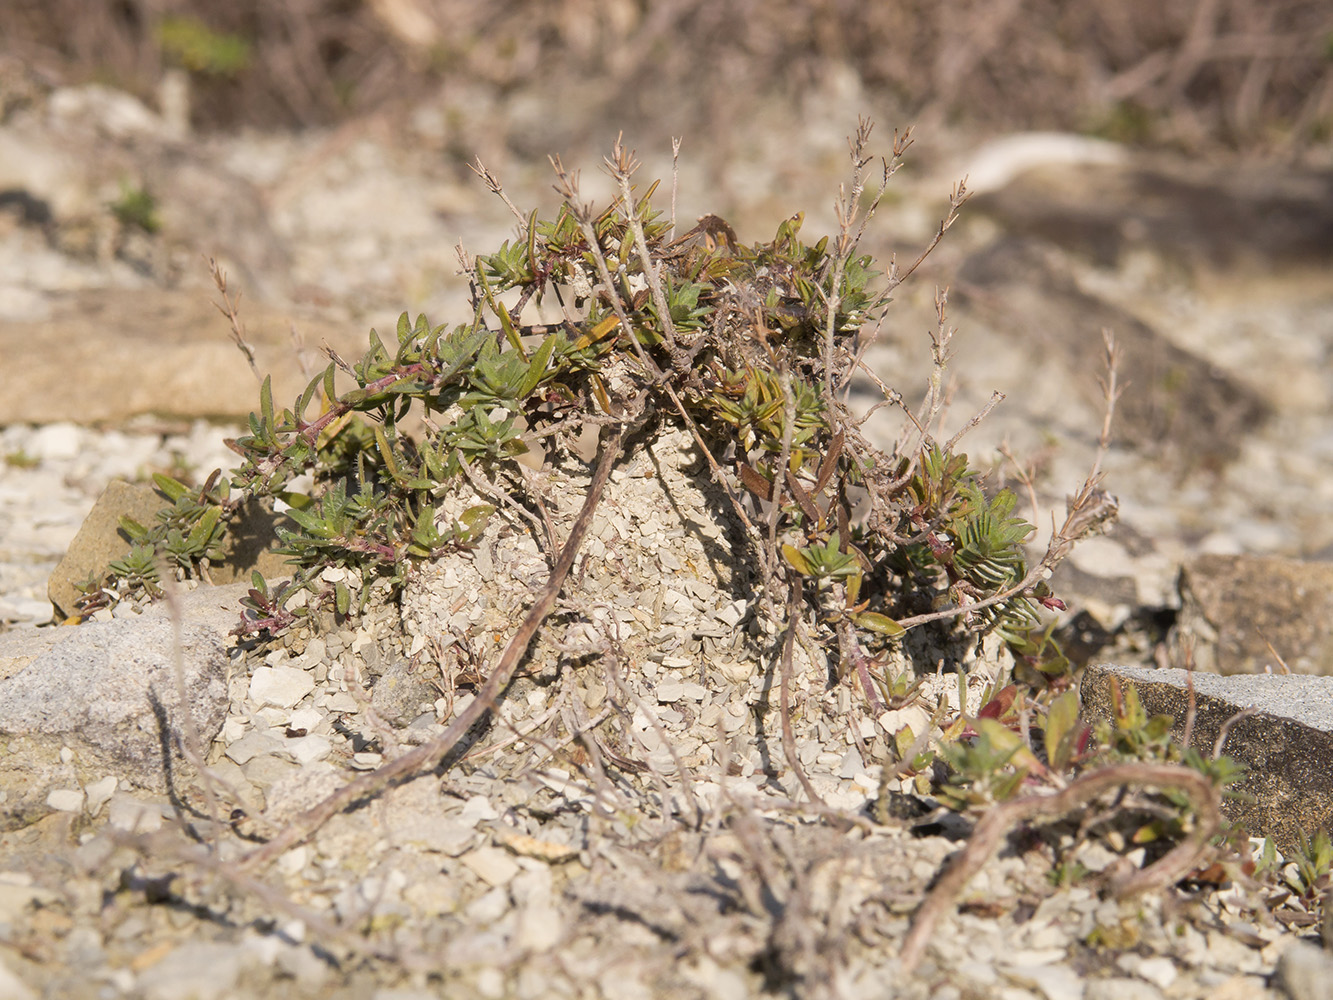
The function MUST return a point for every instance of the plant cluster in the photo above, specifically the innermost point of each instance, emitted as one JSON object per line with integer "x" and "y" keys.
{"x": 750, "y": 346}
{"x": 752, "y": 349}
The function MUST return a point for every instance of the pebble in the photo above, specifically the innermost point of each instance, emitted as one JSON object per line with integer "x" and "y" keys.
{"x": 1120, "y": 989}
{"x": 1305, "y": 972}
{"x": 252, "y": 745}
{"x": 99, "y": 793}
{"x": 281, "y": 687}
{"x": 65, "y": 799}
{"x": 308, "y": 749}
{"x": 1054, "y": 982}
{"x": 11, "y": 987}
{"x": 199, "y": 970}
{"x": 132, "y": 814}
{"x": 492, "y": 865}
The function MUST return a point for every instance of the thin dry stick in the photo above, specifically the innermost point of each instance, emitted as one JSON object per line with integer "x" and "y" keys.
{"x": 996, "y": 398}
{"x": 623, "y": 167}
{"x": 686, "y": 776}
{"x": 158, "y": 848}
{"x": 1225, "y": 729}
{"x": 1023, "y": 474}
{"x": 567, "y": 185}
{"x": 675, "y": 184}
{"x": 388, "y": 736}
{"x": 228, "y": 308}
{"x": 191, "y": 745}
{"x": 959, "y": 195}
{"x": 1191, "y": 709}
{"x": 493, "y": 184}
{"x": 429, "y": 755}
{"x": 784, "y": 458}
{"x": 892, "y": 397}
{"x": 541, "y": 528}
{"x": 1087, "y": 509}
{"x": 784, "y": 692}
{"x": 515, "y": 734}
{"x": 1002, "y": 818}
{"x": 846, "y": 209}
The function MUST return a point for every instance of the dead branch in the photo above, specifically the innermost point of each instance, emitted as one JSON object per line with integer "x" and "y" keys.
{"x": 430, "y": 754}
{"x": 1004, "y": 817}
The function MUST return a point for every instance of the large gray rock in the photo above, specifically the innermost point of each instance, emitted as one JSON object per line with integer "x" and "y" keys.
{"x": 107, "y": 693}
{"x": 1181, "y": 403}
{"x": 1233, "y": 608}
{"x": 1287, "y": 746}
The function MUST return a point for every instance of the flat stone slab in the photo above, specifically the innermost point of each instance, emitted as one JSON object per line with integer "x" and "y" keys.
{"x": 111, "y": 354}
{"x": 1287, "y": 746}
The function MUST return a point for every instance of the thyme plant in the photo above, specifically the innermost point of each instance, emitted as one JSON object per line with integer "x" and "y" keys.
{"x": 750, "y": 346}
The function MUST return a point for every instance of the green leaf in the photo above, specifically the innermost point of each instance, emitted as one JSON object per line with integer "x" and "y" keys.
{"x": 202, "y": 532}
{"x": 298, "y": 500}
{"x": 537, "y": 367}
{"x": 266, "y": 402}
{"x": 173, "y": 488}
{"x": 507, "y": 325}
{"x": 876, "y": 622}
{"x": 307, "y": 396}
{"x": 133, "y": 528}
{"x": 474, "y": 519}
{"x": 1061, "y": 728}
{"x": 342, "y": 598}
{"x": 315, "y": 526}
{"x": 797, "y": 560}
{"x": 387, "y": 453}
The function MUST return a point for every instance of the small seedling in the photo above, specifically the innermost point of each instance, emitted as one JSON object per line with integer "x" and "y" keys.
{"x": 136, "y": 207}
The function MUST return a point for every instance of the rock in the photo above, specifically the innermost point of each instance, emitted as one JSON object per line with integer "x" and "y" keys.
{"x": 108, "y": 693}
{"x": 154, "y": 351}
{"x": 251, "y": 539}
{"x": 12, "y": 988}
{"x": 1181, "y": 401}
{"x": 492, "y": 865}
{"x": 1255, "y": 219}
{"x": 1234, "y": 606}
{"x": 197, "y": 970}
{"x": 100, "y": 539}
{"x": 65, "y": 799}
{"x": 1305, "y": 972}
{"x": 281, "y": 687}
{"x": 405, "y": 687}
{"x": 1286, "y": 745}
{"x": 1120, "y": 989}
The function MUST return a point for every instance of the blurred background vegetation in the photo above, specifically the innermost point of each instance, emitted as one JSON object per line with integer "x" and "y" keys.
{"x": 1192, "y": 75}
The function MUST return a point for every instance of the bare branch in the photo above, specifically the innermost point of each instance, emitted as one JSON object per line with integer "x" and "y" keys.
{"x": 1002, "y": 818}
{"x": 430, "y": 754}
{"x": 493, "y": 184}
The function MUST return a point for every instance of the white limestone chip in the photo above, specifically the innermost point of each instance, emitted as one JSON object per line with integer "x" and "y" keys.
{"x": 281, "y": 687}
{"x": 65, "y": 799}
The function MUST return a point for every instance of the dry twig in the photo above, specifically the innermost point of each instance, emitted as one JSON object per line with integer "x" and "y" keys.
{"x": 1004, "y": 817}
{"x": 430, "y": 754}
